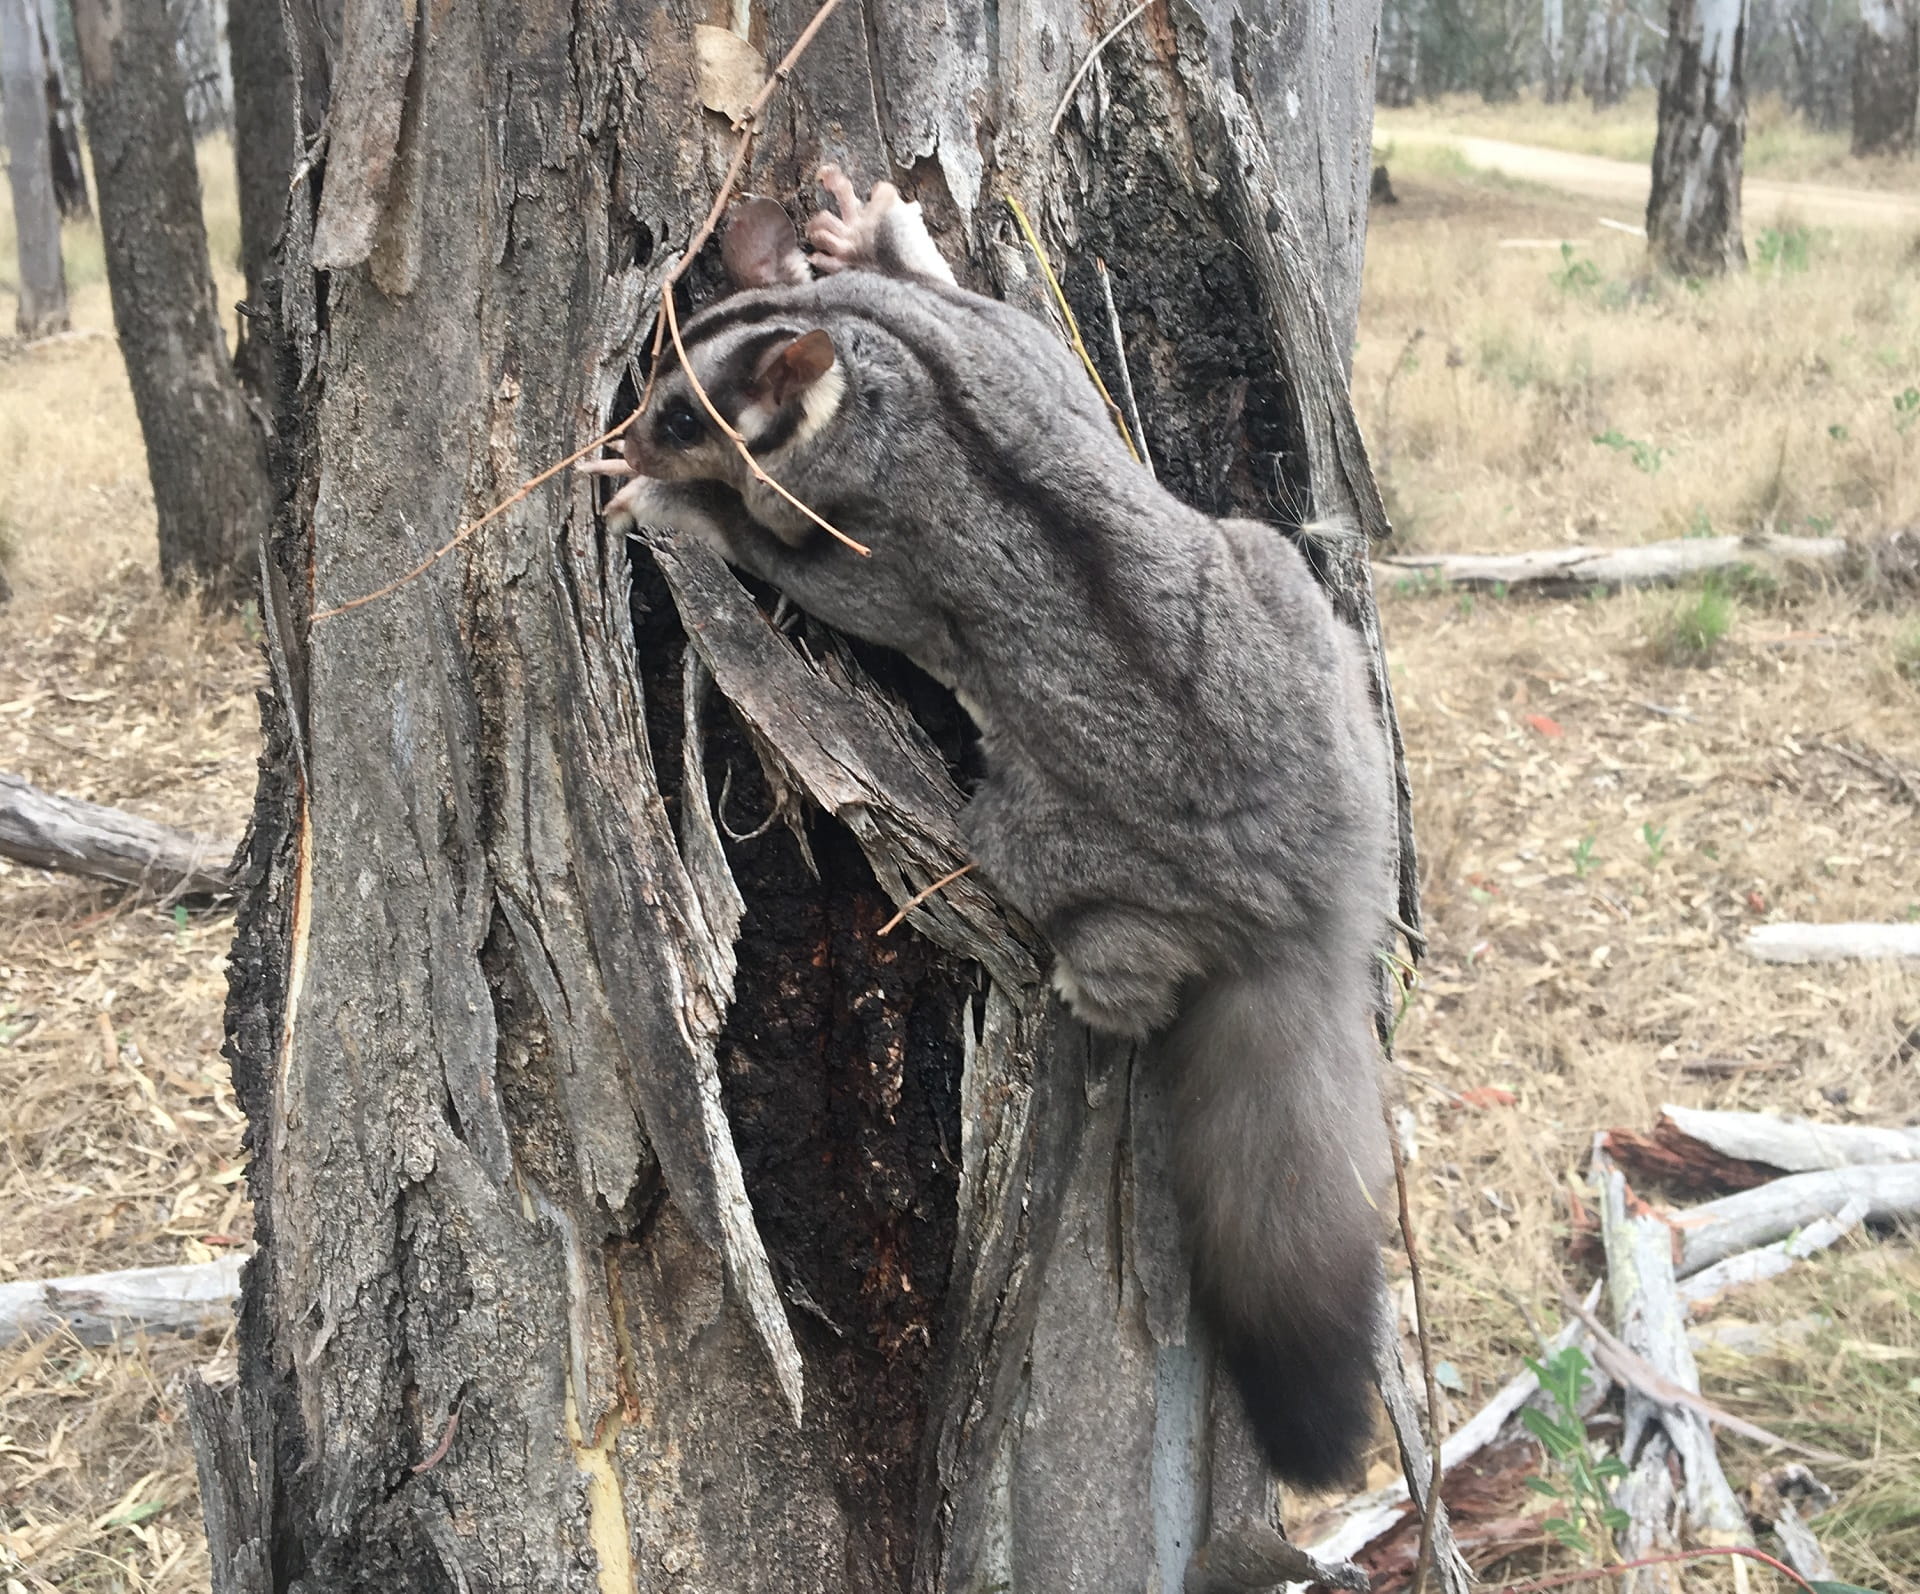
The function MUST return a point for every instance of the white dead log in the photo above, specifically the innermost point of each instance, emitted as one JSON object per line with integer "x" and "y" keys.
{"x": 1581, "y": 568}
{"x": 83, "y": 838}
{"x": 1715, "y": 1230}
{"x": 1831, "y": 943}
{"x": 1365, "y": 1517}
{"x": 1652, "y": 1327}
{"x": 1795, "y": 1145}
{"x": 1770, "y": 1261}
{"x": 98, "y": 1307}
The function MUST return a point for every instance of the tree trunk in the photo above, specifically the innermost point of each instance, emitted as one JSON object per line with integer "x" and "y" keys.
{"x": 1553, "y": 49}
{"x": 199, "y": 28}
{"x": 1398, "y": 77}
{"x": 633, "y": 1213}
{"x": 266, "y": 129}
{"x": 63, "y": 121}
{"x": 1886, "y": 77}
{"x": 1693, "y": 207}
{"x": 36, "y": 215}
{"x": 204, "y": 452}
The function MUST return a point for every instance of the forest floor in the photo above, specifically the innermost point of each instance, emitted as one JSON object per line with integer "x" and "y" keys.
{"x": 1609, "y": 790}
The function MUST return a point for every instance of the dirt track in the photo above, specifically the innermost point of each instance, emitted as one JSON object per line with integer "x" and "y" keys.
{"x": 1625, "y": 182}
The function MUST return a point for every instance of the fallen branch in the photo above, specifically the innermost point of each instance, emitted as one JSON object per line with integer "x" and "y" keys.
{"x": 1831, "y": 943}
{"x": 1715, "y": 1230}
{"x": 1666, "y": 1420}
{"x": 1695, "y": 1150}
{"x": 1770, "y": 1261}
{"x": 1771, "y": 1497}
{"x": 98, "y": 1307}
{"x": 83, "y": 838}
{"x": 1674, "y": 1394}
{"x": 1679, "y": 1162}
{"x": 1793, "y": 1145}
{"x": 1575, "y": 570}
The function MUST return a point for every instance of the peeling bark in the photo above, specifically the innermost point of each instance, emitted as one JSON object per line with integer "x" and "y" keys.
{"x": 755, "y": 1250}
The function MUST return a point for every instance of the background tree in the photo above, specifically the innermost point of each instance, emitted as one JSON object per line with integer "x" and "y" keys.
{"x": 1693, "y": 208}
{"x": 1802, "y": 50}
{"x": 632, "y": 1206}
{"x": 204, "y": 451}
{"x": 1553, "y": 51}
{"x": 200, "y": 41}
{"x": 1886, "y": 77}
{"x": 63, "y": 116}
{"x": 36, "y": 216}
{"x": 266, "y": 124}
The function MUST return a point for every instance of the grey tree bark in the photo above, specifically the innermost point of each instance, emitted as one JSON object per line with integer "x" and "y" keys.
{"x": 63, "y": 120}
{"x": 1693, "y": 207}
{"x": 1886, "y": 77}
{"x": 634, "y": 1214}
{"x": 204, "y": 451}
{"x": 199, "y": 30}
{"x": 266, "y": 126}
{"x": 1553, "y": 50}
{"x": 36, "y": 215}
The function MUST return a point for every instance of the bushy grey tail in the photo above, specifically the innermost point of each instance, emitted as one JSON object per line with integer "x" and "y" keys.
{"x": 1278, "y": 1143}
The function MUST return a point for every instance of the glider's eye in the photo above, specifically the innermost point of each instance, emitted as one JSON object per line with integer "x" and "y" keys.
{"x": 681, "y": 425}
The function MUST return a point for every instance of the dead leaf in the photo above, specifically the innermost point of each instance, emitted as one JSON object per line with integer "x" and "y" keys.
{"x": 728, "y": 71}
{"x": 1487, "y": 1096}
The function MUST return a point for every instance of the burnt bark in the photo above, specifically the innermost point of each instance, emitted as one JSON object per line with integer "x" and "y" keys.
{"x": 63, "y": 121}
{"x": 36, "y": 214}
{"x": 204, "y": 451}
{"x": 752, "y": 1249}
{"x": 1886, "y": 77}
{"x": 1693, "y": 207}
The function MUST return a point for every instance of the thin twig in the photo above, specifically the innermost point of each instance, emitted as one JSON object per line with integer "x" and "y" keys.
{"x": 1423, "y": 1559}
{"x": 1699, "y": 1553}
{"x": 472, "y": 526}
{"x": 1120, "y": 354}
{"x": 720, "y": 813}
{"x": 745, "y": 126}
{"x": 1073, "y": 83}
{"x": 740, "y": 443}
{"x": 1073, "y": 326}
{"x": 1628, "y": 1367}
{"x": 435, "y": 1455}
{"x": 913, "y": 902}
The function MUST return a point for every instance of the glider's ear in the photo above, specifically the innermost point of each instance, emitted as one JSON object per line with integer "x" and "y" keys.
{"x": 760, "y": 248}
{"x": 789, "y": 371}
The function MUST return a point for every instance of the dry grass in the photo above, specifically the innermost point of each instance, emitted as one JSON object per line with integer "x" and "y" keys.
{"x": 1546, "y": 388}
{"x": 1780, "y": 144}
{"x": 1602, "y": 810}
{"x": 120, "y": 1144}
{"x": 1603, "y": 807}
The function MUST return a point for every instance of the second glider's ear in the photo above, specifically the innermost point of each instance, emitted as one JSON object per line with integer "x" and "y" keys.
{"x": 760, "y": 248}
{"x": 790, "y": 370}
